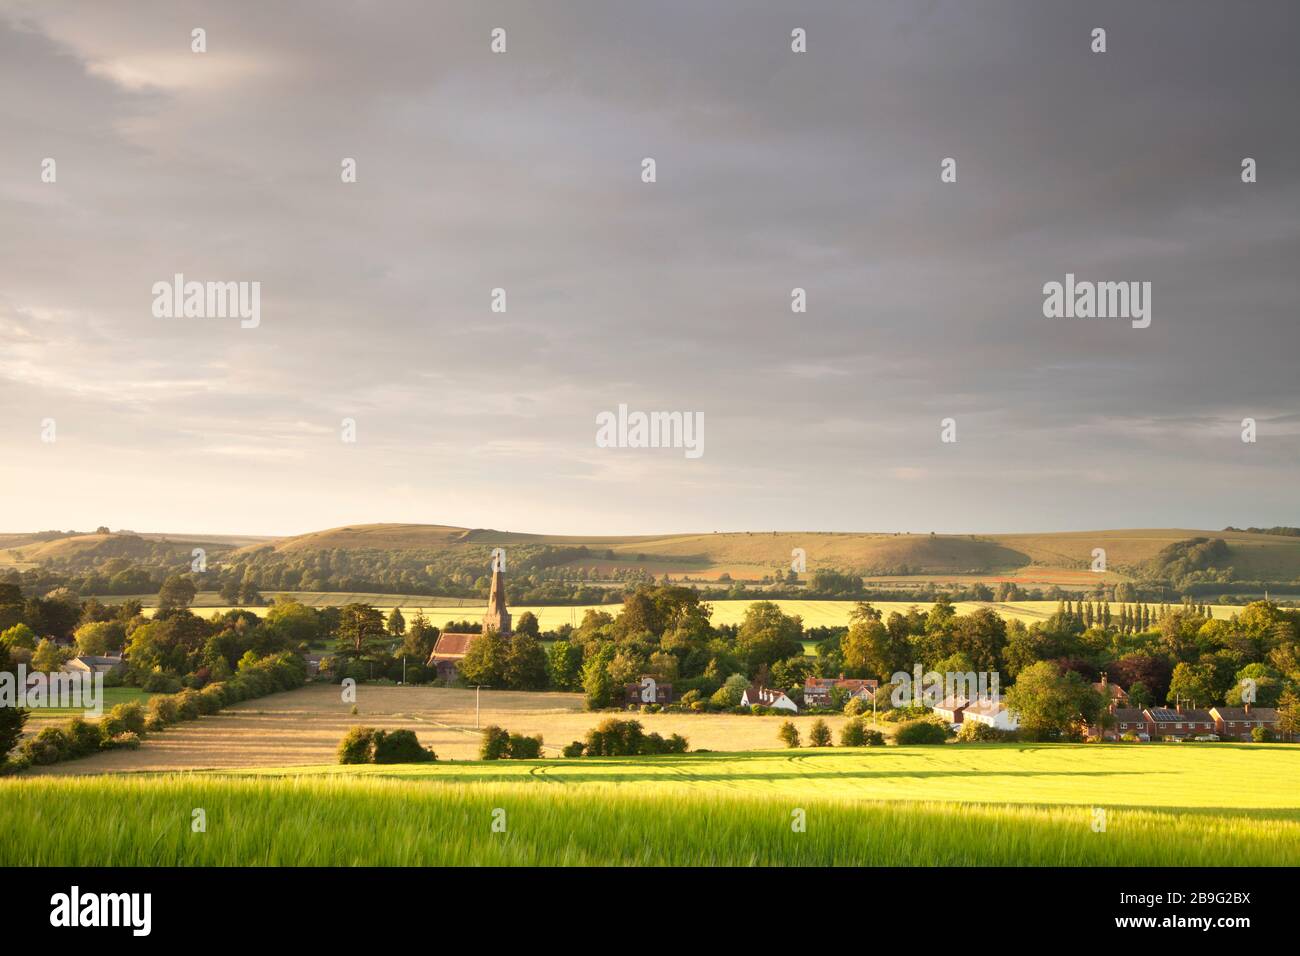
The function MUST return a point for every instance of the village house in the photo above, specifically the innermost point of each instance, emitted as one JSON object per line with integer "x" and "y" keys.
{"x": 1178, "y": 723}
{"x": 648, "y": 691}
{"x": 754, "y": 695}
{"x": 951, "y": 709}
{"x": 991, "y": 713}
{"x": 1237, "y": 723}
{"x": 94, "y": 664}
{"x": 1128, "y": 720}
{"x": 1114, "y": 694}
{"x": 817, "y": 690}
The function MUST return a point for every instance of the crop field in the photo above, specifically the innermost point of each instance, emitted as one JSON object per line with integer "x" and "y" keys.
{"x": 1225, "y": 805}
{"x": 304, "y": 726}
{"x": 814, "y": 613}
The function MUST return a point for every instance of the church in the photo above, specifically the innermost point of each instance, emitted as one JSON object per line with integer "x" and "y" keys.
{"x": 452, "y": 647}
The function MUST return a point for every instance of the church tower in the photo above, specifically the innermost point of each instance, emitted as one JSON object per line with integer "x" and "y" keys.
{"x": 497, "y": 618}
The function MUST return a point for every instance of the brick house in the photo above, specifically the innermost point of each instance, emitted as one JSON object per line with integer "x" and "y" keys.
{"x": 1178, "y": 723}
{"x": 817, "y": 690}
{"x": 1114, "y": 694}
{"x": 1236, "y": 723}
{"x": 1128, "y": 720}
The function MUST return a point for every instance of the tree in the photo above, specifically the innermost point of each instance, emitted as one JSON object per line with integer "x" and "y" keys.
{"x": 486, "y": 660}
{"x": 1288, "y": 714}
{"x": 1140, "y": 696}
{"x": 495, "y": 744}
{"x": 100, "y": 638}
{"x": 20, "y": 635}
{"x": 1049, "y": 703}
{"x": 596, "y": 682}
{"x": 819, "y": 734}
{"x": 48, "y": 657}
{"x": 177, "y": 592}
{"x": 767, "y": 635}
{"x": 525, "y": 665}
{"x": 357, "y": 746}
{"x": 564, "y": 666}
{"x": 527, "y": 624}
{"x": 1192, "y": 682}
{"x": 920, "y": 732}
{"x": 360, "y": 632}
{"x": 853, "y": 734}
{"x": 788, "y": 734}
{"x": 396, "y": 625}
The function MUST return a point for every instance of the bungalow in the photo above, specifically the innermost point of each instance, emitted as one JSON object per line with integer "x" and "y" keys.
{"x": 817, "y": 690}
{"x": 1236, "y": 723}
{"x": 648, "y": 691}
{"x": 1178, "y": 723}
{"x": 951, "y": 709}
{"x": 754, "y": 695}
{"x": 990, "y": 712}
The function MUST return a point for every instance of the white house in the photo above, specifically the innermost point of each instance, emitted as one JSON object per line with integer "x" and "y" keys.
{"x": 767, "y": 697}
{"x": 992, "y": 713}
{"x": 951, "y": 709}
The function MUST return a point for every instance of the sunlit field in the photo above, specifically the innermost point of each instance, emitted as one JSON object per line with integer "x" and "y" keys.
{"x": 1226, "y": 805}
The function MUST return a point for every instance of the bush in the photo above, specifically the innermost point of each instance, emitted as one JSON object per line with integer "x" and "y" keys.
{"x": 920, "y": 732}
{"x": 496, "y": 743}
{"x": 525, "y": 748}
{"x": 163, "y": 708}
{"x": 83, "y": 737}
{"x": 856, "y": 707}
{"x": 357, "y": 745}
{"x": 873, "y": 738}
{"x": 212, "y": 698}
{"x": 187, "y": 704}
{"x": 574, "y": 749}
{"x": 853, "y": 734}
{"x": 789, "y": 734}
{"x": 819, "y": 735}
{"x": 127, "y": 740}
{"x": 49, "y": 746}
{"x": 974, "y": 732}
{"x": 1262, "y": 735}
{"x": 400, "y": 746}
{"x": 124, "y": 718}
{"x": 161, "y": 684}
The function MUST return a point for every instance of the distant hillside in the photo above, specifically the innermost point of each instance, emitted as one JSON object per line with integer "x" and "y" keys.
{"x": 1252, "y": 556}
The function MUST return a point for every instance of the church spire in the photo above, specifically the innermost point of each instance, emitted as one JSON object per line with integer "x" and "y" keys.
{"x": 497, "y": 618}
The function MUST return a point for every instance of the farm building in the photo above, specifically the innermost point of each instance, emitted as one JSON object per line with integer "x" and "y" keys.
{"x": 754, "y": 695}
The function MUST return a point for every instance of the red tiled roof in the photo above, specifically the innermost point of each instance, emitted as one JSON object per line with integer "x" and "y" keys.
{"x": 451, "y": 644}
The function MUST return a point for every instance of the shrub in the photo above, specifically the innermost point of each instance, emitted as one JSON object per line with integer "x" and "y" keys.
{"x": 212, "y": 698}
{"x": 83, "y": 737}
{"x": 160, "y": 684}
{"x": 163, "y": 708}
{"x": 873, "y": 738}
{"x": 187, "y": 704}
{"x": 574, "y": 749}
{"x": 920, "y": 732}
{"x": 49, "y": 746}
{"x": 974, "y": 732}
{"x": 789, "y": 734}
{"x": 357, "y": 745}
{"x": 127, "y": 740}
{"x": 819, "y": 735}
{"x": 496, "y": 743}
{"x": 853, "y": 734}
{"x": 400, "y": 746}
{"x": 124, "y": 718}
{"x": 676, "y": 744}
{"x": 1261, "y": 735}
{"x": 525, "y": 748}
{"x": 856, "y": 707}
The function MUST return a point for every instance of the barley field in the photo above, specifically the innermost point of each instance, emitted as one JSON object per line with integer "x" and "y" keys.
{"x": 1182, "y": 806}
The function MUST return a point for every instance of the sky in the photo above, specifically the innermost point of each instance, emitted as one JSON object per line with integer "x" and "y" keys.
{"x": 523, "y": 171}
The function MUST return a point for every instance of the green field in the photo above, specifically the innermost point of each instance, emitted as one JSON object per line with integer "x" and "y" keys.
{"x": 112, "y": 697}
{"x": 1224, "y": 805}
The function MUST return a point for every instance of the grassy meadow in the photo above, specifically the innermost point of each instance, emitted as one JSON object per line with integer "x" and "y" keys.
{"x": 1229, "y": 805}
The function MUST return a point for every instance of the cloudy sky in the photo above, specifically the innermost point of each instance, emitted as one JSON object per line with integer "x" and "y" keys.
{"x": 523, "y": 171}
